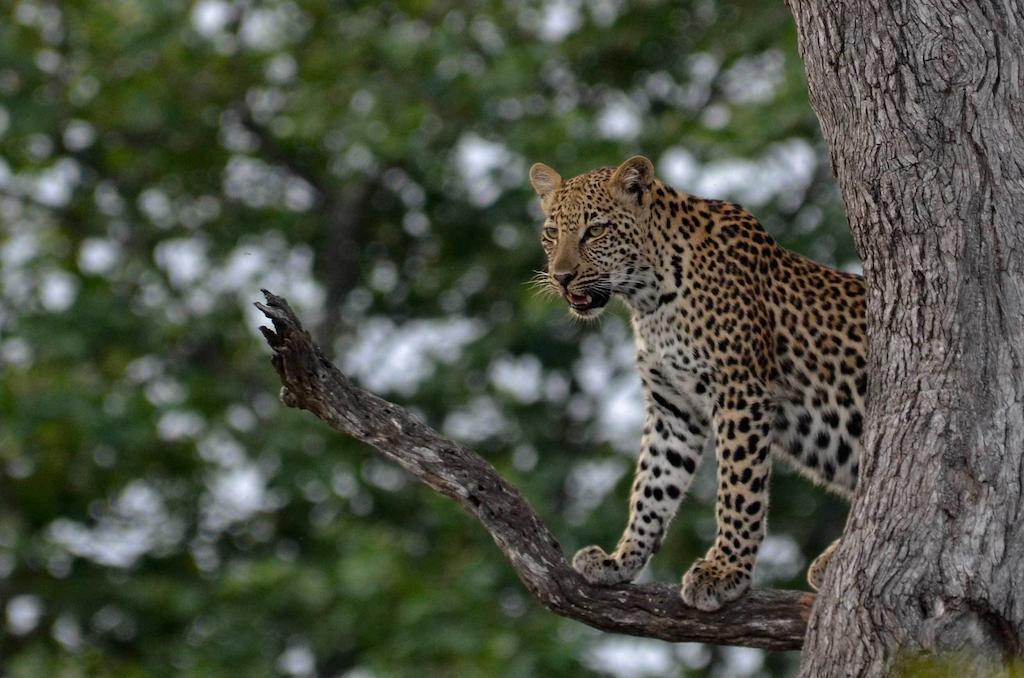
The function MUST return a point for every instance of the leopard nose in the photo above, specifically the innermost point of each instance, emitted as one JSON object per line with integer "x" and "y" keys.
{"x": 563, "y": 278}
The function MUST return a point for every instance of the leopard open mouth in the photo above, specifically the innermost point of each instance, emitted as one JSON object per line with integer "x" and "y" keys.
{"x": 587, "y": 301}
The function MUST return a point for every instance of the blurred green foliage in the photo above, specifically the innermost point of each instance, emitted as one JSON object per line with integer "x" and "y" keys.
{"x": 161, "y": 160}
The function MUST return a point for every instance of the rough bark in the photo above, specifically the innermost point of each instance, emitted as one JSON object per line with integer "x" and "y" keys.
{"x": 768, "y": 619}
{"x": 922, "y": 105}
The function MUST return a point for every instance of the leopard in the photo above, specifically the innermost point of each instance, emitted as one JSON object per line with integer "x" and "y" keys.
{"x": 745, "y": 350}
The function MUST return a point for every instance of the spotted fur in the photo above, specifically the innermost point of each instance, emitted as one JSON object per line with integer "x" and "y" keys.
{"x": 743, "y": 347}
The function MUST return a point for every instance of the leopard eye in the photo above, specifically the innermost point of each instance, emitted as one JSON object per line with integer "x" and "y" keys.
{"x": 596, "y": 231}
{"x": 550, "y": 232}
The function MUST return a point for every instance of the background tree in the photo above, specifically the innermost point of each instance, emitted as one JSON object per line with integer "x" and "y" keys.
{"x": 922, "y": 104}
{"x": 161, "y": 160}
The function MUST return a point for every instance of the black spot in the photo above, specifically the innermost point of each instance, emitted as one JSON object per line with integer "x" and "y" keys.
{"x": 862, "y": 384}
{"x": 674, "y": 458}
{"x": 752, "y": 442}
{"x": 689, "y": 465}
{"x": 823, "y": 440}
{"x": 856, "y": 425}
{"x": 831, "y": 418}
{"x": 730, "y": 431}
{"x": 658, "y": 494}
{"x": 803, "y": 424}
{"x": 673, "y": 491}
{"x": 844, "y": 452}
{"x": 658, "y": 398}
{"x": 753, "y": 508}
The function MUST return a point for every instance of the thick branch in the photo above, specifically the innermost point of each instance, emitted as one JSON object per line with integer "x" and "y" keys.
{"x": 767, "y": 619}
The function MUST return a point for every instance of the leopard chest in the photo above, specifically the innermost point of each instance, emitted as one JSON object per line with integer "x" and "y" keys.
{"x": 668, "y": 356}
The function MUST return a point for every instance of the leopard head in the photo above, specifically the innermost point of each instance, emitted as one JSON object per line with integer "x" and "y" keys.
{"x": 595, "y": 227}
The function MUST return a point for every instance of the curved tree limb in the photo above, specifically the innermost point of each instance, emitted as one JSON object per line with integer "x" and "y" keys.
{"x": 768, "y": 619}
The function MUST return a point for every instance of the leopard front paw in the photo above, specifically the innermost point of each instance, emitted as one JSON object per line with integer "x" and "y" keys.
{"x": 709, "y": 584}
{"x": 597, "y": 567}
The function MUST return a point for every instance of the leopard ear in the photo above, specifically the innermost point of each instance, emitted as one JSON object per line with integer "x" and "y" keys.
{"x": 632, "y": 179}
{"x": 544, "y": 180}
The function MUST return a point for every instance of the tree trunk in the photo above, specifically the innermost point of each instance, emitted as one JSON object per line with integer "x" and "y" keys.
{"x": 922, "y": 105}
